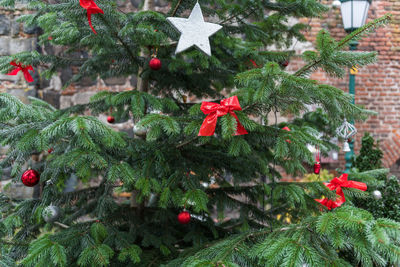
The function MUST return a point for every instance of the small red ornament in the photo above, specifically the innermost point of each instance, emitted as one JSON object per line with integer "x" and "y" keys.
{"x": 50, "y": 150}
{"x": 287, "y": 129}
{"x": 110, "y": 119}
{"x": 285, "y": 63}
{"x": 155, "y": 63}
{"x": 317, "y": 165}
{"x": 30, "y": 178}
{"x": 317, "y": 168}
{"x": 184, "y": 217}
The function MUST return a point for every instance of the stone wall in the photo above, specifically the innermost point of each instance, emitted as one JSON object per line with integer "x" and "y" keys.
{"x": 15, "y": 38}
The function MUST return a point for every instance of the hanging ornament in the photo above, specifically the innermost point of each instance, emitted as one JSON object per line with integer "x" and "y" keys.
{"x": 91, "y": 8}
{"x": 155, "y": 63}
{"x": 317, "y": 165}
{"x": 317, "y": 168}
{"x": 285, "y": 63}
{"x": 30, "y": 178}
{"x": 287, "y": 129}
{"x": 50, "y": 150}
{"x": 25, "y": 70}
{"x": 377, "y": 195}
{"x": 194, "y": 31}
{"x": 51, "y": 213}
{"x": 139, "y": 130}
{"x": 184, "y": 217}
{"x": 346, "y": 131}
{"x": 110, "y": 119}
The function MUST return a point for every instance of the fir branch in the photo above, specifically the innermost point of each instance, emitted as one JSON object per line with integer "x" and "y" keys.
{"x": 370, "y": 26}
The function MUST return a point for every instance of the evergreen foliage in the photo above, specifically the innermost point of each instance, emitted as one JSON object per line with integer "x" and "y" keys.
{"x": 262, "y": 221}
{"x": 370, "y": 158}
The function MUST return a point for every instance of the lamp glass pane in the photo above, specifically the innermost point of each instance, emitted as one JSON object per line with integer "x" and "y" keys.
{"x": 354, "y": 13}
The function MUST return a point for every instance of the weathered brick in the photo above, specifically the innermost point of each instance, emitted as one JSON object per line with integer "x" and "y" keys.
{"x": 377, "y": 85}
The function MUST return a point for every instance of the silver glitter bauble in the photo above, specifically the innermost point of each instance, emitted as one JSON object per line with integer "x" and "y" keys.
{"x": 377, "y": 194}
{"x": 194, "y": 31}
{"x": 139, "y": 131}
{"x": 51, "y": 213}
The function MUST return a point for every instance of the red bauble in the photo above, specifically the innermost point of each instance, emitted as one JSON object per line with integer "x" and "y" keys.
{"x": 110, "y": 119}
{"x": 184, "y": 217}
{"x": 50, "y": 150}
{"x": 30, "y": 178}
{"x": 317, "y": 168}
{"x": 287, "y": 129}
{"x": 155, "y": 63}
{"x": 285, "y": 63}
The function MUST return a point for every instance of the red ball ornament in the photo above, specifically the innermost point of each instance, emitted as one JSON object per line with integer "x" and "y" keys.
{"x": 287, "y": 129}
{"x": 110, "y": 119}
{"x": 30, "y": 178}
{"x": 317, "y": 168}
{"x": 184, "y": 217}
{"x": 285, "y": 63}
{"x": 155, "y": 63}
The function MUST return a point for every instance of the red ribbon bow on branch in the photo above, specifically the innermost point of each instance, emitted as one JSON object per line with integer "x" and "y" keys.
{"x": 91, "y": 8}
{"x": 25, "y": 70}
{"x": 337, "y": 184}
{"x": 214, "y": 110}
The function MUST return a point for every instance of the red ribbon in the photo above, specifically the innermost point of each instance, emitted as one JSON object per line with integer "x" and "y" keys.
{"x": 337, "y": 184}
{"x": 254, "y": 63}
{"x": 25, "y": 70}
{"x": 214, "y": 110}
{"x": 91, "y": 8}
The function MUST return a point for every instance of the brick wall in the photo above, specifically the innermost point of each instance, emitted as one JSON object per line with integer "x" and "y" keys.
{"x": 377, "y": 85}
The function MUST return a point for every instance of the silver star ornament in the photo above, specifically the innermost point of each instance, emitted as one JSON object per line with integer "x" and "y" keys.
{"x": 194, "y": 31}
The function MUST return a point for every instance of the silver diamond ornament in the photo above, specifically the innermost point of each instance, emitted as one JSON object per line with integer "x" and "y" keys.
{"x": 345, "y": 131}
{"x": 194, "y": 31}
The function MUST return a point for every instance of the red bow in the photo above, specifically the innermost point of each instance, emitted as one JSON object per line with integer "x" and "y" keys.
{"x": 25, "y": 70}
{"x": 213, "y": 111}
{"x": 91, "y": 8}
{"x": 337, "y": 184}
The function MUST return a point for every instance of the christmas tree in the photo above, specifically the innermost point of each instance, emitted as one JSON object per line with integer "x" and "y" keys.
{"x": 239, "y": 212}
